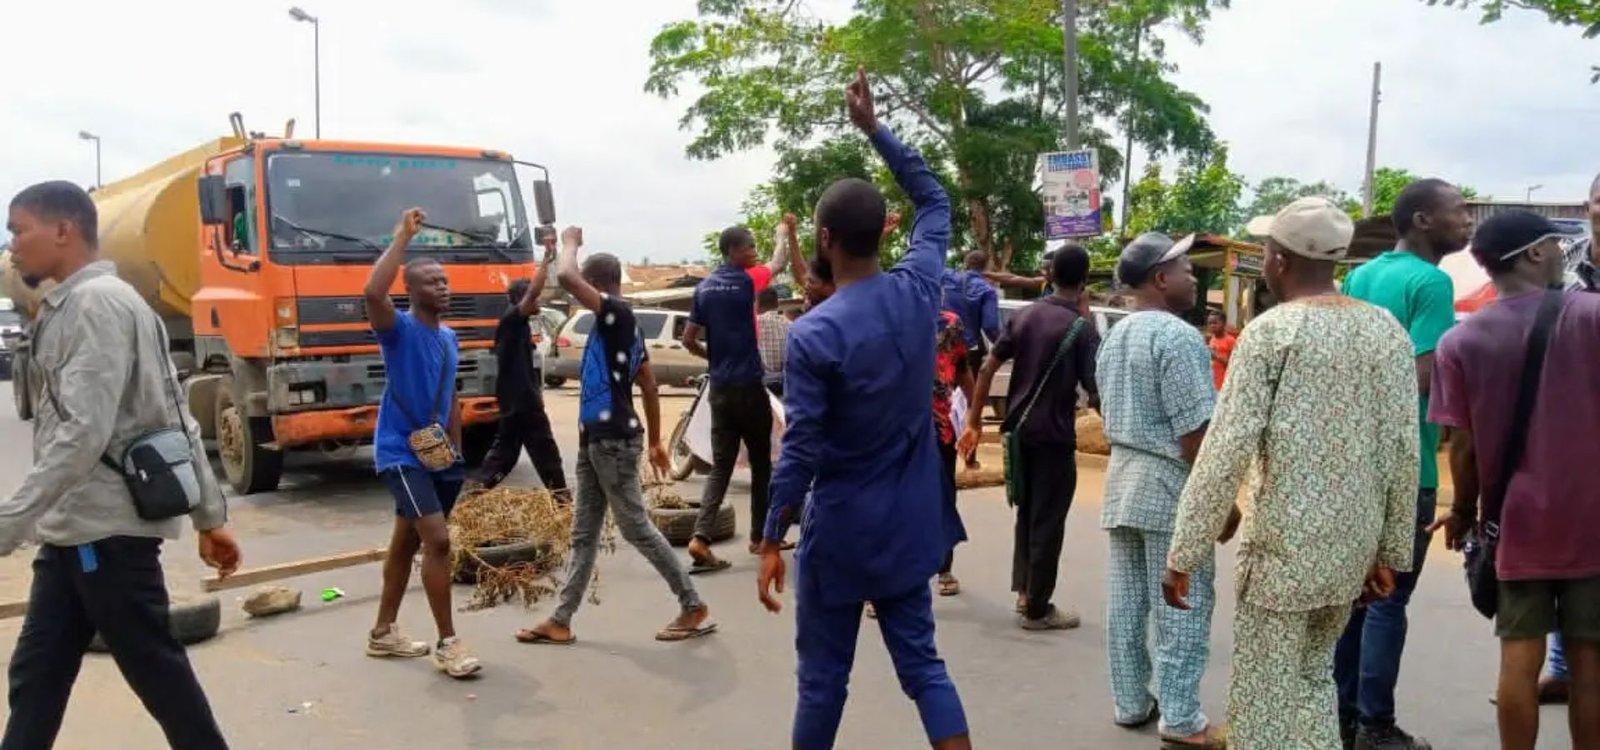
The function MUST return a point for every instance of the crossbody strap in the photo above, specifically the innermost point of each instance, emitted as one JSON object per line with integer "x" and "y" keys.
{"x": 1527, "y": 396}
{"x": 1061, "y": 353}
{"x": 444, "y": 377}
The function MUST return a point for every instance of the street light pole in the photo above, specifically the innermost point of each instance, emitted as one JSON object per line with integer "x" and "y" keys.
{"x": 316, "y": 64}
{"x": 1532, "y": 188}
{"x": 88, "y": 136}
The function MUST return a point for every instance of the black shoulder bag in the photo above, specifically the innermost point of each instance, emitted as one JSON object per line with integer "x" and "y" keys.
{"x": 1010, "y": 442}
{"x": 1480, "y": 550}
{"x": 158, "y": 465}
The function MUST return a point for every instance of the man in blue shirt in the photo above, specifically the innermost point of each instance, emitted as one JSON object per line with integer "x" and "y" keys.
{"x": 609, "y": 447}
{"x": 875, "y": 527}
{"x": 725, "y": 310}
{"x": 970, "y": 296}
{"x": 419, "y": 360}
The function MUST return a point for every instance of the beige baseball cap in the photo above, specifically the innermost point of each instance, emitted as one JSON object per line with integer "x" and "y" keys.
{"x": 1312, "y": 228}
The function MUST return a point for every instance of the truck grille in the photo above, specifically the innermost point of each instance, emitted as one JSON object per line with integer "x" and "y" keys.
{"x": 321, "y": 310}
{"x": 365, "y": 336}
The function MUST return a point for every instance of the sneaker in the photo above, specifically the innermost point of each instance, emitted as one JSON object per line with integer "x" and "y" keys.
{"x": 452, "y": 658}
{"x": 1388, "y": 737}
{"x": 394, "y": 643}
{"x": 1055, "y": 619}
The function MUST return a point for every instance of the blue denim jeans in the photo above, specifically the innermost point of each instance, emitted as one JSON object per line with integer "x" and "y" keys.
{"x": 1366, "y": 664}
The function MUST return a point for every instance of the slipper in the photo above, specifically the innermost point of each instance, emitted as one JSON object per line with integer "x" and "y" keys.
{"x": 698, "y": 567}
{"x": 673, "y": 634}
{"x": 534, "y": 637}
{"x": 1215, "y": 739}
{"x": 949, "y": 586}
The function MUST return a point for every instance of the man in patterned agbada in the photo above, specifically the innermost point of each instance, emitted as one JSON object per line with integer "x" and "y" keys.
{"x": 1319, "y": 409}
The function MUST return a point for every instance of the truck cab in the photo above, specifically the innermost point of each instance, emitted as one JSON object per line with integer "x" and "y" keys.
{"x": 282, "y": 353}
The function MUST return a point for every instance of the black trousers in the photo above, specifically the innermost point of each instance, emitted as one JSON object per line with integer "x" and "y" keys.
{"x": 739, "y": 414}
{"x": 1050, "y": 477}
{"x": 125, "y": 599}
{"x": 947, "y": 464}
{"x": 525, "y": 427}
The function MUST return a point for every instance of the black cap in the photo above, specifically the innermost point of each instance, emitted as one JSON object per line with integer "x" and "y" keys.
{"x": 1509, "y": 233}
{"x": 1147, "y": 251}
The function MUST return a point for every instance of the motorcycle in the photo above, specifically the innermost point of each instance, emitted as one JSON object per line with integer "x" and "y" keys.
{"x": 690, "y": 444}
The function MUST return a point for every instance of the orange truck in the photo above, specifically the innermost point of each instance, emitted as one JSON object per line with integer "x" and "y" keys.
{"x": 254, "y": 251}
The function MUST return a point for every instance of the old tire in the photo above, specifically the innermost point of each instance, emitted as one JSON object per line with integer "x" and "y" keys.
{"x": 554, "y": 381}
{"x": 684, "y": 461}
{"x": 476, "y": 442}
{"x": 191, "y": 620}
{"x": 497, "y": 556}
{"x": 249, "y": 466}
{"x": 677, "y": 524}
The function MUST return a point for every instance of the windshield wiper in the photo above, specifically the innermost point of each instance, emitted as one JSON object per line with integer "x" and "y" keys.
{"x": 486, "y": 240}
{"x": 369, "y": 244}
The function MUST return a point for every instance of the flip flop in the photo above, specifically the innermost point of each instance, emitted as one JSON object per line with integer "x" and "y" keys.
{"x": 698, "y": 568}
{"x": 1215, "y": 739}
{"x": 533, "y": 637}
{"x": 949, "y": 586}
{"x": 674, "y": 634}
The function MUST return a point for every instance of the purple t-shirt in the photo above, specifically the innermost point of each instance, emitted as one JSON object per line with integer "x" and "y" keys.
{"x": 1552, "y": 506}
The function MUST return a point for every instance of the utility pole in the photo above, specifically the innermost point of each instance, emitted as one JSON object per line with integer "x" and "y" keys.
{"x": 1127, "y": 152}
{"x": 1069, "y": 34}
{"x": 316, "y": 64}
{"x": 1368, "y": 187}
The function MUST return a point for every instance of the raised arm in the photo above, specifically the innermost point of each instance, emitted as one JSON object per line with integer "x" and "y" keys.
{"x": 930, "y": 227}
{"x": 529, "y": 304}
{"x": 570, "y": 277}
{"x": 797, "y": 259}
{"x": 380, "y": 309}
{"x": 782, "y": 247}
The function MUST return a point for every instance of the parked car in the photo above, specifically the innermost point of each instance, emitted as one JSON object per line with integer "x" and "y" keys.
{"x": 10, "y": 336}
{"x": 1103, "y": 318}
{"x": 663, "y": 340}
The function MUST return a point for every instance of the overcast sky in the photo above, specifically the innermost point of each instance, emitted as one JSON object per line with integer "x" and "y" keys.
{"x": 560, "y": 82}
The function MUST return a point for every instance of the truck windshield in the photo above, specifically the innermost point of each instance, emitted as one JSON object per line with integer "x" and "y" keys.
{"x": 323, "y": 202}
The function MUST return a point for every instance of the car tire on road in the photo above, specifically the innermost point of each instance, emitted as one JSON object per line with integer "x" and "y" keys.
{"x": 677, "y": 524}
{"x": 497, "y": 556}
{"x": 192, "y": 620}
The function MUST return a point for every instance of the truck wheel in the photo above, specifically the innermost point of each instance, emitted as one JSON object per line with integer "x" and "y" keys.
{"x": 475, "y": 443}
{"x": 250, "y": 467}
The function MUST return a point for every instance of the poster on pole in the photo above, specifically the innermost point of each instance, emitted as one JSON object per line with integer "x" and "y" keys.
{"x": 1070, "y": 187}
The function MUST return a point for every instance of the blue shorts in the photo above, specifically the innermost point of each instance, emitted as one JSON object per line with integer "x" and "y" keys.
{"x": 419, "y": 493}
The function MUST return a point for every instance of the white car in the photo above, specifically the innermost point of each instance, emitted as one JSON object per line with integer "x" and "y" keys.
{"x": 1103, "y": 317}
{"x": 663, "y": 340}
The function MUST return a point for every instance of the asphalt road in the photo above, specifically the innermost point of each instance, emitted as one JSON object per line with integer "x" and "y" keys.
{"x": 302, "y": 681}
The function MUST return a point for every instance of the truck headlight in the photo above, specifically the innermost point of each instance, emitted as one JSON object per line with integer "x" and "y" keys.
{"x": 286, "y": 337}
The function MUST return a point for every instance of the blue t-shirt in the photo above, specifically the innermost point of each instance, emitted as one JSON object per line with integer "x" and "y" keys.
{"x": 611, "y": 360}
{"x": 412, "y": 356}
{"x": 725, "y": 306}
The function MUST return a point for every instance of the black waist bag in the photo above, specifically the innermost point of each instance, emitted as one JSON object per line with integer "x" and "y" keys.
{"x": 159, "y": 469}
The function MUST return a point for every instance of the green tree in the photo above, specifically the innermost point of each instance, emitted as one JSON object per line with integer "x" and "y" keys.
{"x": 1203, "y": 196}
{"x": 1273, "y": 193}
{"x": 980, "y": 80}
{"x": 1583, "y": 13}
{"x": 1388, "y": 182}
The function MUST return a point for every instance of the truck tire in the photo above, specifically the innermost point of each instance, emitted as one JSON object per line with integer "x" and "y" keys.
{"x": 190, "y": 620}
{"x": 249, "y": 466}
{"x": 475, "y": 443}
{"x": 677, "y": 524}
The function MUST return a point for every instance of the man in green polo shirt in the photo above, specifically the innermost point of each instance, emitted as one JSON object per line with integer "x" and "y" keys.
{"x": 1432, "y": 221}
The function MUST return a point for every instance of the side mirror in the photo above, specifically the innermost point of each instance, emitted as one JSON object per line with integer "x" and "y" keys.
{"x": 544, "y": 202}
{"x": 213, "y": 200}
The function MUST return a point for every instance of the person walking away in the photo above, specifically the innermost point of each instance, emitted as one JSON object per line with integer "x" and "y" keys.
{"x": 1519, "y": 457}
{"x": 101, "y": 354}
{"x": 1220, "y": 341}
{"x": 519, "y": 388}
{"x": 863, "y": 444}
{"x": 952, "y": 372}
{"x": 1052, "y": 349}
{"x": 1432, "y": 221}
{"x": 1156, "y": 398}
{"x": 772, "y": 331}
{"x": 725, "y": 310}
{"x": 418, "y": 459}
{"x": 609, "y": 448}
{"x": 1332, "y": 502}
{"x": 969, "y": 295}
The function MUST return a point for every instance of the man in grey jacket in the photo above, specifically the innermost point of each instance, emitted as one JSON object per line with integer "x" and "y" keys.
{"x": 103, "y": 363}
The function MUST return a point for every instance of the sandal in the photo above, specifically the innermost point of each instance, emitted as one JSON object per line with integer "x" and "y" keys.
{"x": 708, "y": 566}
{"x": 673, "y": 633}
{"x": 1215, "y": 739}
{"x": 948, "y": 585}
{"x": 534, "y": 637}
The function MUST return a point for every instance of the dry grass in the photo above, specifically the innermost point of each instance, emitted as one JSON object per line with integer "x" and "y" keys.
{"x": 509, "y": 515}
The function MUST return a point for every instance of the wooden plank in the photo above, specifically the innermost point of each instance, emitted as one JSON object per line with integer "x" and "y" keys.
{"x": 13, "y": 609}
{"x": 280, "y": 571}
